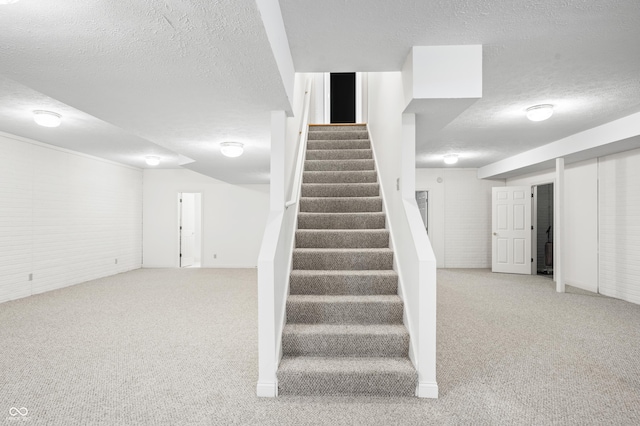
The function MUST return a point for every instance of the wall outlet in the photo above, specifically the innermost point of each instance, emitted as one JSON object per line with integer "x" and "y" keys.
{"x": 30, "y": 277}
{"x": 116, "y": 261}
{"x": 215, "y": 256}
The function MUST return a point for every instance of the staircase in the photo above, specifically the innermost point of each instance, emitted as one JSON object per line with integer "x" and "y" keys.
{"x": 344, "y": 333}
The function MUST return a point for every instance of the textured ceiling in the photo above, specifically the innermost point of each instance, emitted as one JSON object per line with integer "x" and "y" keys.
{"x": 582, "y": 56}
{"x": 182, "y": 75}
{"x": 178, "y": 77}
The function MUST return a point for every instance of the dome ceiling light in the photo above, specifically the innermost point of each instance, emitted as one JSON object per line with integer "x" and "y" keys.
{"x": 231, "y": 149}
{"x": 47, "y": 118}
{"x": 539, "y": 112}
{"x": 450, "y": 159}
{"x": 8, "y": 1}
{"x": 152, "y": 160}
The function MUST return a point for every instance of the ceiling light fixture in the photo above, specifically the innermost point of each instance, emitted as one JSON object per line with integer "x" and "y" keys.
{"x": 450, "y": 159}
{"x": 539, "y": 112}
{"x": 152, "y": 160}
{"x": 8, "y": 1}
{"x": 47, "y": 118}
{"x": 231, "y": 149}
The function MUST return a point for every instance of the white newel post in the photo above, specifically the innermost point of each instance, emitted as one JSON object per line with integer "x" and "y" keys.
{"x": 558, "y": 226}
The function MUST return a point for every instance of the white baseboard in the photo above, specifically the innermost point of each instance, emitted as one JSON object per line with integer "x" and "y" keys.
{"x": 267, "y": 390}
{"x": 427, "y": 390}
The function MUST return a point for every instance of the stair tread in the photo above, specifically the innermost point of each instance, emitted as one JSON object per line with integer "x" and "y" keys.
{"x": 342, "y": 329}
{"x": 342, "y": 365}
{"x": 344, "y": 298}
{"x": 344, "y": 250}
{"x": 343, "y": 231}
{"x": 329, "y": 272}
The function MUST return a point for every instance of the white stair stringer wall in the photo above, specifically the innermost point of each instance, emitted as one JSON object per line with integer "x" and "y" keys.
{"x": 275, "y": 258}
{"x": 415, "y": 263}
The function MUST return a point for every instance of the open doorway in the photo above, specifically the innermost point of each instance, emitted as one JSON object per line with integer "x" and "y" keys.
{"x": 422, "y": 198}
{"x": 343, "y": 97}
{"x": 190, "y": 250}
{"x": 543, "y": 230}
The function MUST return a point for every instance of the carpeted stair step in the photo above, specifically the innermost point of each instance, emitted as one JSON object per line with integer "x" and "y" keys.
{"x": 338, "y": 165}
{"x": 340, "y": 204}
{"x": 358, "y": 176}
{"x": 347, "y": 309}
{"x": 343, "y": 258}
{"x": 337, "y": 127}
{"x": 342, "y": 238}
{"x": 340, "y": 190}
{"x": 345, "y": 340}
{"x": 362, "y": 220}
{"x": 344, "y": 376}
{"x": 347, "y": 282}
{"x": 339, "y": 144}
{"x": 339, "y": 154}
{"x": 338, "y": 134}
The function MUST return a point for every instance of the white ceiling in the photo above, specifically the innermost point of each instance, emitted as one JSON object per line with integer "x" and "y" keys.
{"x": 178, "y": 77}
{"x": 583, "y": 56}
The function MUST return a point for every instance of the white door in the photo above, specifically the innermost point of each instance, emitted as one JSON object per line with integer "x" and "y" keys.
{"x": 187, "y": 229}
{"x": 511, "y": 239}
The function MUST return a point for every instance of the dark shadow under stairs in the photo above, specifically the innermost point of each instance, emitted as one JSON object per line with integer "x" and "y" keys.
{"x": 344, "y": 333}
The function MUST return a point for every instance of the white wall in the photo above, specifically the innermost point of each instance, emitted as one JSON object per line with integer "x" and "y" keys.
{"x": 233, "y": 219}
{"x": 581, "y": 220}
{"x": 65, "y": 217}
{"x": 459, "y": 216}
{"x": 620, "y": 225}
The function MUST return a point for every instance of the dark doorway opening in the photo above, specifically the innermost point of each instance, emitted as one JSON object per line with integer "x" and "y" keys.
{"x": 343, "y": 97}
{"x": 544, "y": 227}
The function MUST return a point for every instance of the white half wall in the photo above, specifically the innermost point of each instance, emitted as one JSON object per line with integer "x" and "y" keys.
{"x": 459, "y": 216}
{"x": 65, "y": 217}
{"x": 581, "y": 220}
{"x": 233, "y": 219}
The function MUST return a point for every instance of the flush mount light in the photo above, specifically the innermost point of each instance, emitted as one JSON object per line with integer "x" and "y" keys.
{"x": 152, "y": 160}
{"x": 232, "y": 149}
{"x": 47, "y": 118}
{"x": 8, "y": 1}
{"x": 539, "y": 112}
{"x": 450, "y": 159}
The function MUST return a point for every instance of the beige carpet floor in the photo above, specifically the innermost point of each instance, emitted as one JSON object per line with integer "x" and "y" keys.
{"x": 178, "y": 347}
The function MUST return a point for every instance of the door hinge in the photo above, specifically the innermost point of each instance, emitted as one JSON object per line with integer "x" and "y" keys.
{"x": 532, "y": 227}
{"x": 531, "y": 195}
{"x": 531, "y": 259}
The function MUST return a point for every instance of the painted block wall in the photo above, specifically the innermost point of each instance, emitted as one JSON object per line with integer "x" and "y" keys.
{"x": 65, "y": 217}
{"x": 460, "y": 216}
{"x": 619, "y": 233}
{"x": 581, "y": 216}
{"x": 233, "y": 219}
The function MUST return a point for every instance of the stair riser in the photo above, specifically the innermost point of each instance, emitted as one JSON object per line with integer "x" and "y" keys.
{"x": 364, "y": 176}
{"x": 340, "y": 154}
{"x": 344, "y": 312}
{"x": 338, "y": 135}
{"x": 343, "y": 285}
{"x": 338, "y": 205}
{"x": 338, "y": 261}
{"x": 341, "y": 221}
{"x": 340, "y": 144}
{"x": 361, "y": 345}
{"x": 342, "y": 128}
{"x": 351, "y": 239}
{"x": 340, "y": 190}
{"x": 338, "y": 165}
{"x": 340, "y": 384}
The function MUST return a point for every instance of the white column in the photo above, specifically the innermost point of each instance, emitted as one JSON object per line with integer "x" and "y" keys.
{"x": 408, "y": 159}
{"x": 277, "y": 180}
{"x": 558, "y": 226}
